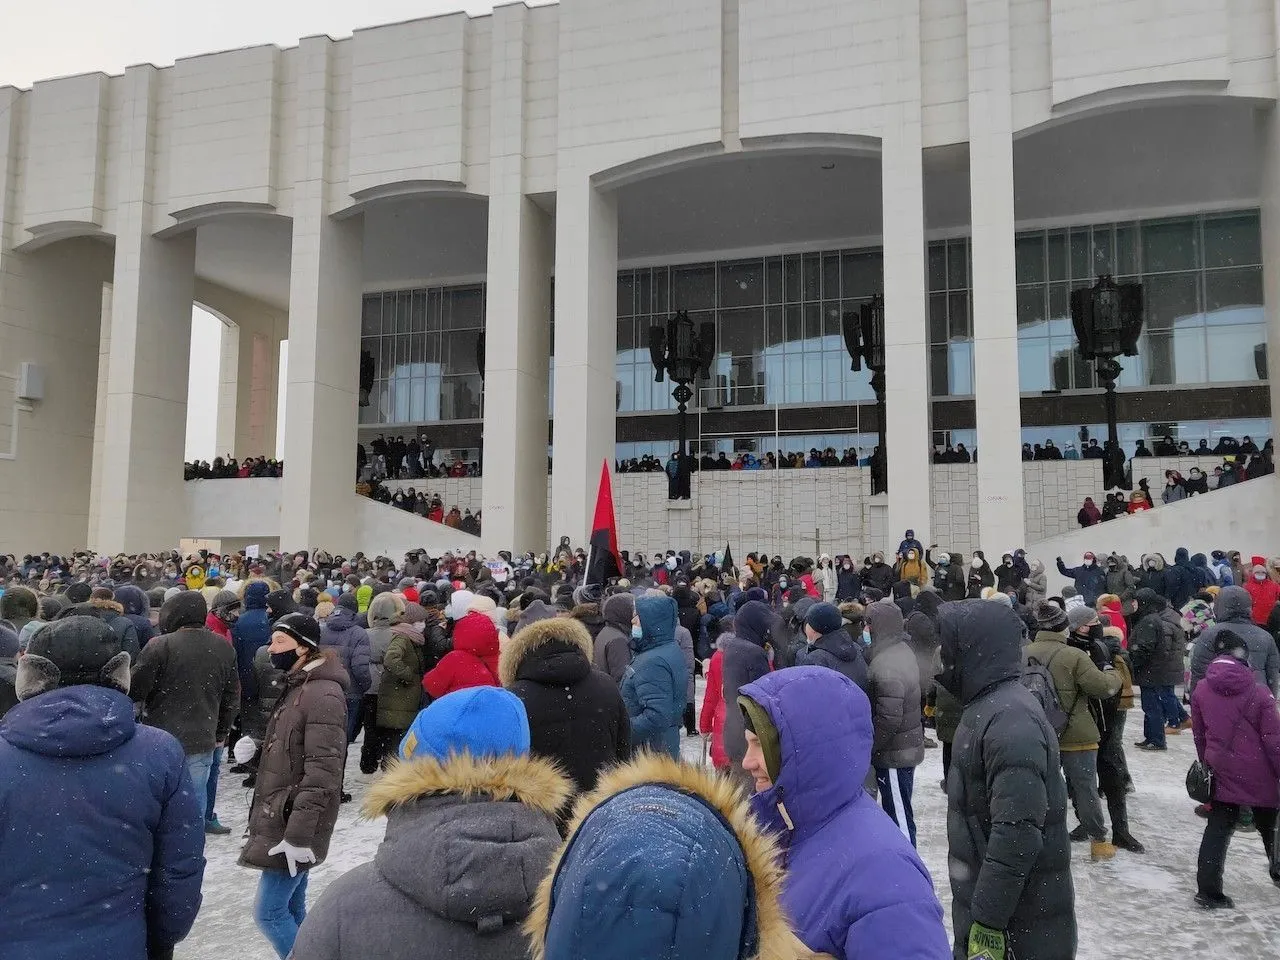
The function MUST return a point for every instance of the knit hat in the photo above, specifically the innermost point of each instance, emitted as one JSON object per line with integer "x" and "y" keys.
{"x": 187, "y": 609}
{"x": 225, "y": 600}
{"x": 478, "y": 721}
{"x": 824, "y": 618}
{"x": 758, "y": 722}
{"x": 1080, "y": 616}
{"x": 302, "y": 628}
{"x": 587, "y": 593}
{"x": 80, "y": 592}
{"x": 279, "y": 603}
{"x": 1050, "y": 617}
{"x": 348, "y": 602}
{"x": 1229, "y": 642}
{"x": 71, "y": 651}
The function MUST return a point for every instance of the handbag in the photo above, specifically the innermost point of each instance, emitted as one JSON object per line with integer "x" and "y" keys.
{"x": 1200, "y": 782}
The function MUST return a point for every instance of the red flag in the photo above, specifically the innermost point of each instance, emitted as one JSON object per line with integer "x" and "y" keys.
{"x": 603, "y": 563}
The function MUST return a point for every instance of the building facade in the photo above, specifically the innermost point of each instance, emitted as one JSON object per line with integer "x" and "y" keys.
{"x": 498, "y": 208}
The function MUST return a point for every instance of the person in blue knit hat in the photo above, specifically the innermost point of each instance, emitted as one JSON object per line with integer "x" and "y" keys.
{"x": 471, "y": 816}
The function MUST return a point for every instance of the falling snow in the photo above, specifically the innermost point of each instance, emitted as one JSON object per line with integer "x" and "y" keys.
{"x": 1132, "y": 908}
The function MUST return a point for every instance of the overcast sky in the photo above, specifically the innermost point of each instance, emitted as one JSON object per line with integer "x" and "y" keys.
{"x": 40, "y": 39}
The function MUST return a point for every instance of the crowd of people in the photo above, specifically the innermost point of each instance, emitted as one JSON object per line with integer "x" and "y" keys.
{"x": 229, "y": 468}
{"x": 415, "y": 459}
{"x": 423, "y": 504}
{"x": 1176, "y": 488}
{"x": 524, "y": 728}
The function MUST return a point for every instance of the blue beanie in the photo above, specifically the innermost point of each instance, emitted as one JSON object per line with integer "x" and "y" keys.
{"x": 481, "y": 721}
{"x": 824, "y": 617}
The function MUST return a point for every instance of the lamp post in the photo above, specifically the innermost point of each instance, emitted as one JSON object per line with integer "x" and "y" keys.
{"x": 682, "y": 352}
{"x": 864, "y": 340}
{"x": 1107, "y": 318}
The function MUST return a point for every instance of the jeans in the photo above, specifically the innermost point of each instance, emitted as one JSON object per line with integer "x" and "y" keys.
{"x": 1217, "y": 835}
{"x": 215, "y": 766}
{"x": 1174, "y": 714}
{"x": 1152, "y": 716}
{"x": 895, "y": 788}
{"x": 355, "y": 711}
{"x": 200, "y": 765}
{"x": 1080, "y": 767}
{"x": 280, "y": 908}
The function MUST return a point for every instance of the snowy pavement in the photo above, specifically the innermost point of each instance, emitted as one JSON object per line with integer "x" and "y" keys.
{"x": 1135, "y": 907}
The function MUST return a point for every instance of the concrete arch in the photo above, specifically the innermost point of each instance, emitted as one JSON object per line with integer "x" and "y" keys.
{"x": 405, "y": 190}
{"x": 46, "y": 234}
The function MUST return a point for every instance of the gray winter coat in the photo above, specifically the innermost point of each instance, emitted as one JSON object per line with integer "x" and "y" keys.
{"x": 1009, "y": 853}
{"x": 893, "y": 686}
{"x": 467, "y": 842}
{"x": 685, "y": 639}
{"x": 1233, "y": 610}
{"x": 379, "y": 632}
{"x": 611, "y": 647}
{"x": 1036, "y": 586}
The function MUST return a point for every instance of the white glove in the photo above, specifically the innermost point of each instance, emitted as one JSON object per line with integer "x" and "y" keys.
{"x": 292, "y": 855}
{"x": 244, "y": 750}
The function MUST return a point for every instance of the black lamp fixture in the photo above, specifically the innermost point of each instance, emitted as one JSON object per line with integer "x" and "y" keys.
{"x": 1107, "y": 318}
{"x": 864, "y": 340}
{"x": 682, "y": 352}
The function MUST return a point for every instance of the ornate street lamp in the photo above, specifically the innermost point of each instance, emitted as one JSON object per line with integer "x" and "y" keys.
{"x": 1108, "y": 321}
{"x": 683, "y": 353}
{"x": 864, "y": 340}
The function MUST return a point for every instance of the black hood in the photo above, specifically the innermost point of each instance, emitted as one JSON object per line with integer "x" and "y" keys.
{"x": 928, "y": 602}
{"x": 185, "y": 609}
{"x": 981, "y": 646}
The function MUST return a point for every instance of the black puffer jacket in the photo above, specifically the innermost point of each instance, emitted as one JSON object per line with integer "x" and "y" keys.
{"x": 839, "y": 652}
{"x": 1156, "y": 657}
{"x": 1009, "y": 852}
{"x": 893, "y": 686}
{"x": 576, "y": 714}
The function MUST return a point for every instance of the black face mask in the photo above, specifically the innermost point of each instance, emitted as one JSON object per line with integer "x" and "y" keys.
{"x": 285, "y": 660}
{"x": 1096, "y": 632}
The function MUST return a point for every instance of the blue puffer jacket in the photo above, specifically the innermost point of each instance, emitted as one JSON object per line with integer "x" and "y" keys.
{"x": 250, "y": 632}
{"x": 137, "y": 610}
{"x": 341, "y": 631}
{"x": 653, "y": 687}
{"x": 122, "y": 870}
{"x": 872, "y": 898}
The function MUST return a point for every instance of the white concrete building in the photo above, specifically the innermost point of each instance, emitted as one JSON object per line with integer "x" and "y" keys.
{"x": 415, "y": 188}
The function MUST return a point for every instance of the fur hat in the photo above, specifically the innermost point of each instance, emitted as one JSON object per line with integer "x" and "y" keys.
{"x": 71, "y": 651}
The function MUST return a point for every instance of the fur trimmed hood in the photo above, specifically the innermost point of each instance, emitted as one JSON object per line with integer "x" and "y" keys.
{"x": 532, "y": 781}
{"x": 564, "y": 629}
{"x": 715, "y": 797}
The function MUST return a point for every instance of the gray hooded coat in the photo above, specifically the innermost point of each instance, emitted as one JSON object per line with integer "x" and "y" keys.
{"x": 1036, "y": 586}
{"x": 467, "y": 841}
{"x": 893, "y": 686}
{"x": 1009, "y": 855}
{"x": 1233, "y": 610}
{"x": 612, "y": 650}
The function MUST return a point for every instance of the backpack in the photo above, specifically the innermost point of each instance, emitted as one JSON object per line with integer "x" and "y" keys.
{"x": 1037, "y": 678}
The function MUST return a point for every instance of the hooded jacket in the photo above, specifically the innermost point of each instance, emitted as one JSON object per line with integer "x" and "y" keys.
{"x": 1113, "y": 611}
{"x": 611, "y": 650}
{"x": 251, "y": 631}
{"x": 299, "y": 782}
{"x": 186, "y": 678}
{"x": 1036, "y": 587}
{"x": 922, "y": 634}
{"x": 839, "y": 652}
{"x": 142, "y": 832}
{"x": 576, "y": 714}
{"x": 137, "y": 610}
{"x": 1180, "y": 580}
{"x": 662, "y": 859}
{"x": 414, "y": 649}
{"x": 912, "y": 569}
{"x": 872, "y": 898}
{"x": 341, "y": 633}
{"x": 1155, "y": 655}
{"x": 848, "y": 584}
{"x": 454, "y": 875}
{"x": 653, "y": 688}
{"x": 473, "y": 661}
{"x": 1152, "y": 577}
{"x": 744, "y": 660}
{"x": 1119, "y": 579}
{"x": 893, "y": 686}
{"x": 1265, "y": 595}
{"x": 1009, "y": 852}
{"x": 1233, "y": 610}
{"x": 1076, "y": 680}
{"x": 1237, "y": 733}
{"x": 879, "y": 575}
{"x": 948, "y": 578}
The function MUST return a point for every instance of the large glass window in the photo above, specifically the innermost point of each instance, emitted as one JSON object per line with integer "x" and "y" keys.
{"x": 1202, "y": 288}
{"x": 426, "y": 349}
{"x": 950, "y": 319}
{"x": 777, "y": 323}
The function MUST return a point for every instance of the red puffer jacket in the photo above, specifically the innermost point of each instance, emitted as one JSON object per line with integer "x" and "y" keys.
{"x": 473, "y": 662}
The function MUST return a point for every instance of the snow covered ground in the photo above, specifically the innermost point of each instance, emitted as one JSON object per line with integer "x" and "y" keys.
{"x": 1134, "y": 907}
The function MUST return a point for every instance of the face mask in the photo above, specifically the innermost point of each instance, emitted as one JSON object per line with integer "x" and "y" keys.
{"x": 782, "y": 584}
{"x": 943, "y": 561}
{"x": 285, "y": 661}
{"x": 866, "y": 638}
{"x": 848, "y": 566}
{"x": 637, "y": 633}
{"x": 1260, "y": 575}
{"x": 1095, "y": 632}
{"x": 671, "y": 563}
{"x": 1151, "y": 564}
{"x": 976, "y": 563}
{"x": 1088, "y": 563}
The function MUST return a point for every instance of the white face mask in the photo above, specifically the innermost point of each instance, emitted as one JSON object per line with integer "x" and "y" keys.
{"x": 671, "y": 563}
{"x": 976, "y": 563}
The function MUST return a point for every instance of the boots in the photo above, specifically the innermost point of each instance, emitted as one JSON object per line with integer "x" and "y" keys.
{"x": 1079, "y": 834}
{"x": 1121, "y": 838}
{"x": 1100, "y": 850}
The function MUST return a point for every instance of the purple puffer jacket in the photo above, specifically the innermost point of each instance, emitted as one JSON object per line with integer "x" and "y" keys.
{"x": 854, "y": 886}
{"x": 1237, "y": 731}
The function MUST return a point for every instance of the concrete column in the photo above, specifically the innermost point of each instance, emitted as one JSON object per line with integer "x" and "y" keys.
{"x": 905, "y": 302}
{"x": 517, "y": 314}
{"x": 142, "y": 506}
{"x": 100, "y": 411}
{"x": 1001, "y": 520}
{"x": 322, "y": 397}
{"x": 586, "y": 337}
{"x": 228, "y": 381}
